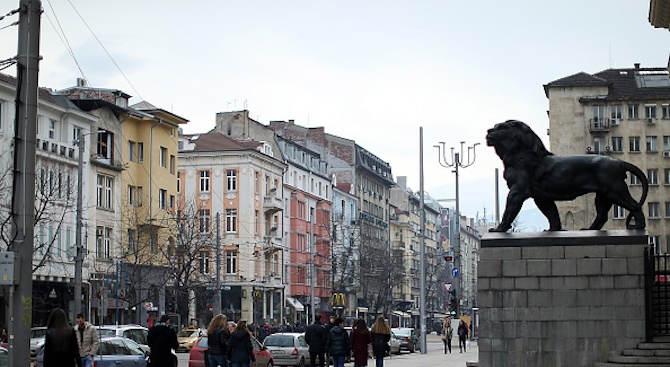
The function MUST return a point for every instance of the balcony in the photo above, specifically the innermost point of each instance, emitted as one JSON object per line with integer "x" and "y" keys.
{"x": 398, "y": 246}
{"x": 599, "y": 125}
{"x": 272, "y": 203}
{"x": 272, "y": 243}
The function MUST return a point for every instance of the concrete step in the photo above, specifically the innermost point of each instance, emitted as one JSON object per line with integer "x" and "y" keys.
{"x": 639, "y": 360}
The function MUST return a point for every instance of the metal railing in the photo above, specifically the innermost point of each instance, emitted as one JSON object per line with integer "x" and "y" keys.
{"x": 657, "y": 294}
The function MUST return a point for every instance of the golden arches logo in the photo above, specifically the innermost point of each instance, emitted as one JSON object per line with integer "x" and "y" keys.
{"x": 337, "y": 300}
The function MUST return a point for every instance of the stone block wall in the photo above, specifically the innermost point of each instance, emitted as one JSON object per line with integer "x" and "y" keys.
{"x": 559, "y": 299}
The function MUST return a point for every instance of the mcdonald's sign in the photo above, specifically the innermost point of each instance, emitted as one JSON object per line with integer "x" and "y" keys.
{"x": 337, "y": 300}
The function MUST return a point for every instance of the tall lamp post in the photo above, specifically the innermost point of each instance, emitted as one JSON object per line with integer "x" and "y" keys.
{"x": 455, "y": 161}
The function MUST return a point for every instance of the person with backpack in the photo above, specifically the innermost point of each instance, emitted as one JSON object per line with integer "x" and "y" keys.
{"x": 217, "y": 341}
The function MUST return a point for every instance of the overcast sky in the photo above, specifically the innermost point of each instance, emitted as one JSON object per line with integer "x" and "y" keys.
{"x": 371, "y": 71}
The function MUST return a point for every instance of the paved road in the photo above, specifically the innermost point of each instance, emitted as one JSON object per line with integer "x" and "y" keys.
{"x": 435, "y": 356}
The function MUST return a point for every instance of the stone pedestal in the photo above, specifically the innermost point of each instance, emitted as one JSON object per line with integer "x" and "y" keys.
{"x": 556, "y": 299}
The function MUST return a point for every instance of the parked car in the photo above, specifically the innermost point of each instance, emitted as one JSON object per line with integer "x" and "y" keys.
{"x": 37, "y": 335}
{"x": 136, "y": 333}
{"x": 116, "y": 351}
{"x": 409, "y": 339}
{"x": 196, "y": 357}
{"x": 395, "y": 344}
{"x": 288, "y": 349}
{"x": 187, "y": 337}
{"x": 4, "y": 357}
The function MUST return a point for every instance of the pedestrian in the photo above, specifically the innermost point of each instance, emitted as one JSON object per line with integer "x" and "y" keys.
{"x": 381, "y": 337}
{"x": 240, "y": 351}
{"x": 338, "y": 343}
{"x": 447, "y": 334}
{"x": 360, "y": 341}
{"x": 87, "y": 338}
{"x": 217, "y": 341}
{"x": 161, "y": 340}
{"x": 60, "y": 343}
{"x": 462, "y": 335}
{"x": 315, "y": 336}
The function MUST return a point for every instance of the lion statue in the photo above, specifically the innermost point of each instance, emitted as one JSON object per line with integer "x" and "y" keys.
{"x": 531, "y": 171}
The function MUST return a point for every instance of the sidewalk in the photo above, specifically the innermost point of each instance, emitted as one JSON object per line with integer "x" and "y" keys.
{"x": 435, "y": 356}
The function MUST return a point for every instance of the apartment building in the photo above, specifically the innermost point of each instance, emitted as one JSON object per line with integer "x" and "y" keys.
{"x": 240, "y": 182}
{"x": 625, "y": 114}
{"x": 345, "y": 253}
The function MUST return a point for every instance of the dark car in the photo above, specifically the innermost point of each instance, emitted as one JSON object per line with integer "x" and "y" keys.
{"x": 409, "y": 339}
{"x": 196, "y": 357}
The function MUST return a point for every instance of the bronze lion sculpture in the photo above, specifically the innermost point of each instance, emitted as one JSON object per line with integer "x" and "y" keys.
{"x": 531, "y": 171}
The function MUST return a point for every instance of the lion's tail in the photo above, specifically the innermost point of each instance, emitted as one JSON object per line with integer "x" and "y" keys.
{"x": 643, "y": 179}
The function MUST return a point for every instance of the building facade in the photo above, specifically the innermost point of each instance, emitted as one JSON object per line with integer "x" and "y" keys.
{"x": 625, "y": 114}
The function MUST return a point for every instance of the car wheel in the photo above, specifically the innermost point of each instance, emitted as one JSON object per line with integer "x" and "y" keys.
{"x": 413, "y": 348}
{"x": 302, "y": 362}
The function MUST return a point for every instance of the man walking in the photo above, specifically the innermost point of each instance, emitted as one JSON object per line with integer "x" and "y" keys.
{"x": 315, "y": 336}
{"x": 161, "y": 340}
{"x": 87, "y": 339}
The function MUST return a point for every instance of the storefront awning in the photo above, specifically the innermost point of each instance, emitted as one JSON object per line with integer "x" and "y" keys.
{"x": 295, "y": 303}
{"x": 401, "y": 314}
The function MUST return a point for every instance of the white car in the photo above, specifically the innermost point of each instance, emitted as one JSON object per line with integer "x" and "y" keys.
{"x": 37, "y": 335}
{"x": 288, "y": 349}
{"x": 136, "y": 333}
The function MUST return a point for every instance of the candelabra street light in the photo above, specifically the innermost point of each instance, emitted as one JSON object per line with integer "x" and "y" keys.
{"x": 455, "y": 161}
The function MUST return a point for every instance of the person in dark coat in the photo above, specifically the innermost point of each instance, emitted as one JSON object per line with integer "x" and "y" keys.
{"x": 240, "y": 351}
{"x": 360, "y": 341}
{"x": 381, "y": 337}
{"x": 162, "y": 339}
{"x": 217, "y": 341}
{"x": 462, "y": 335}
{"x": 60, "y": 343}
{"x": 315, "y": 336}
{"x": 338, "y": 343}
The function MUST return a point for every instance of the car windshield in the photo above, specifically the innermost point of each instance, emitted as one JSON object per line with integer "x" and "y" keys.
{"x": 187, "y": 333}
{"x": 279, "y": 341}
{"x": 38, "y": 333}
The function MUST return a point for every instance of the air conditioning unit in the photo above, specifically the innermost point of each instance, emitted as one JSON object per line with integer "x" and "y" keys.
{"x": 666, "y": 153}
{"x": 615, "y": 122}
{"x": 651, "y": 120}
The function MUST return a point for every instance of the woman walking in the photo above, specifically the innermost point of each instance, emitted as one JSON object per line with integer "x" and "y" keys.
{"x": 360, "y": 340}
{"x": 447, "y": 334}
{"x": 462, "y": 335}
{"x": 217, "y": 341}
{"x": 60, "y": 344}
{"x": 240, "y": 351}
{"x": 381, "y": 337}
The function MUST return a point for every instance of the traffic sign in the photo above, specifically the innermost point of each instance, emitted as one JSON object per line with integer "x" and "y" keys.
{"x": 454, "y": 272}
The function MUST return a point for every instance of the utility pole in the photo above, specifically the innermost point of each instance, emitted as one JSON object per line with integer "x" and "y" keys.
{"x": 422, "y": 245}
{"x": 23, "y": 205}
{"x": 311, "y": 263}
{"x": 78, "y": 257}
{"x": 217, "y": 296}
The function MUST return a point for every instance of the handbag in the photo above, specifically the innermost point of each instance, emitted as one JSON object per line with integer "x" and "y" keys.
{"x": 444, "y": 338}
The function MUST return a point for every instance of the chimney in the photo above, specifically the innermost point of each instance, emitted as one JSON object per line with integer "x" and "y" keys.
{"x": 81, "y": 82}
{"x": 637, "y": 66}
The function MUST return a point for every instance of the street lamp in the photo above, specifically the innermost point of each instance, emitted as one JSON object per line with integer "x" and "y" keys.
{"x": 455, "y": 161}
{"x": 79, "y": 259}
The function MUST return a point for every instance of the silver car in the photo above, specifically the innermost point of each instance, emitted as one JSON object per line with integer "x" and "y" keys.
{"x": 37, "y": 335}
{"x": 288, "y": 349}
{"x": 136, "y": 333}
{"x": 115, "y": 351}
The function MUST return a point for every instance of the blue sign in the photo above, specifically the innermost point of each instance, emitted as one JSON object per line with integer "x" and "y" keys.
{"x": 454, "y": 272}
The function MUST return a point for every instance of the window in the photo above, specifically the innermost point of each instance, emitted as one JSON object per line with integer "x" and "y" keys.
{"x": 634, "y": 180}
{"x": 666, "y": 176}
{"x": 104, "y": 191}
{"x": 231, "y": 262}
{"x": 231, "y": 220}
{"x": 105, "y": 144}
{"x": 178, "y": 181}
{"x": 652, "y": 176}
{"x": 599, "y": 145}
{"x": 140, "y": 152}
{"x": 162, "y": 199}
{"x": 633, "y": 112}
{"x": 650, "y": 111}
{"x": 131, "y": 240}
{"x": 134, "y": 195}
{"x": 615, "y": 112}
{"x": 203, "y": 220}
{"x": 231, "y": 180}
{"x": 598, "y": 116}
{"x": 665, "y": 109}
{"x": 634, "y": 143}
{"x": 257, "y": 183}
{"x": 301, "y": 243}
{"x": 52, "y": 129}
{"x": 131, "y": 150}
{"x": 654, "y": 211}
{"x": 103, "y": 242}
{"x": 652, "y": 145}
{"x": 667, "y": 209}
{"x": 171, "y": 204}
{"x": 204, "y": 181}
{"x": 76, "y": 132}
{"x": 163, "y": 157}
{"x": 204, "y": 262}
{"x": 172, "y": 164}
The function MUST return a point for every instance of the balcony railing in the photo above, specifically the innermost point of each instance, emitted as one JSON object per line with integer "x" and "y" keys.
{"x": 272, "y": 203}
{"x": 599, "y": 125}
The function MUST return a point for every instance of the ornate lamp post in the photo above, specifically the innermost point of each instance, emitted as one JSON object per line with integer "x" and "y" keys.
{"x": 455, "y": 161}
